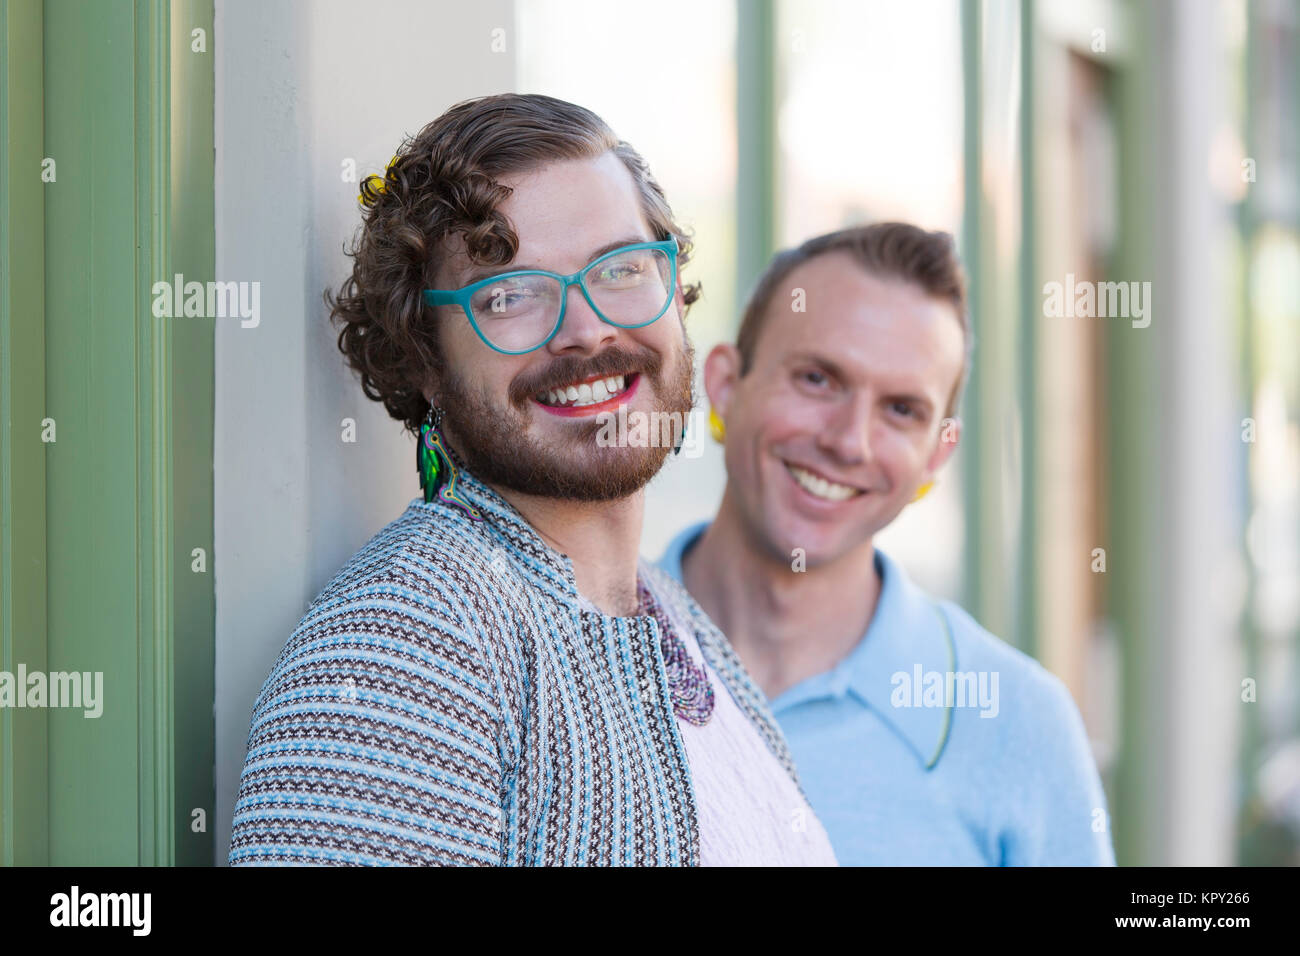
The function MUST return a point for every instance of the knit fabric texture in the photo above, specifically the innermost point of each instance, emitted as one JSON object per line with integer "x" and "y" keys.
{"x": 449, "y": 698}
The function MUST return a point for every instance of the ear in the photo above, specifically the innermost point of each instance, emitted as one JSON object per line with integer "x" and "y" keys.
{"x": 430, "y": 390}
{"x": 949, "y": 435}
{"x": 721, "y": 372}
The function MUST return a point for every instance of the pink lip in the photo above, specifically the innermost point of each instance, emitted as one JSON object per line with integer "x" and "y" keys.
{"x": 608, "y": 405}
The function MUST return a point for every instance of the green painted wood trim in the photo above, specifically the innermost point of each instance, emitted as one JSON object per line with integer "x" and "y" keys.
{"x": 174, "y": 147}
{"x": 756, "y": 187}
{"x": 1028, "y": 581}
{"x": 1133, "y": 475}
{"x": 153, "y": 343}
{"x": 1295, "y": 225}
{"x": 1252, "y": 729}
{"x": 24, "y": 735}
{"x": 972, "y": 457}
{"x": 92, "y": 525}
{"x": 129, "y": 119}
{"x": 1294, "y": 69}
{"x": 188, "y": 401}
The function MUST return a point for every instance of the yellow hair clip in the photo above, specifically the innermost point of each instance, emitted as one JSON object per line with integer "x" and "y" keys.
{"x": 380, "y": 183}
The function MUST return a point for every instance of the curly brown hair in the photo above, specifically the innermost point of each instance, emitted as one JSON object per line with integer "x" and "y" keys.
{"x": 442, "y": 182}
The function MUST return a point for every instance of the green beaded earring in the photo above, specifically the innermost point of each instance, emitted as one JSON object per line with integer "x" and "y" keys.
{"x": 438, "y": 477}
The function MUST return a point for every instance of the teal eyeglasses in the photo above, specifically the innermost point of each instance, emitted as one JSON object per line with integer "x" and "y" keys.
{"x": 517, "y": 312}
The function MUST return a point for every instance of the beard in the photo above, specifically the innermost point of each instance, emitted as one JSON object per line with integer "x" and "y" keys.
{"x": 493, "y": 441}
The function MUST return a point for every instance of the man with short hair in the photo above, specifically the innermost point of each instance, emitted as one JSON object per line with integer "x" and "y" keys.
{"x": 921, "y": 738}
{"x": 495, "y": 678}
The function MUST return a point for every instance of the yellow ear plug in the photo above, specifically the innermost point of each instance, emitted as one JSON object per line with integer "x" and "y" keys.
{"x": 716, "y": 428}
{"x": 922, "y": 491}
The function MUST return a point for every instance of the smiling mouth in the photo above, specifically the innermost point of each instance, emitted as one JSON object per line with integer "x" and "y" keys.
{"x": 596, "y": 390}
{"x": 819, "y": 486}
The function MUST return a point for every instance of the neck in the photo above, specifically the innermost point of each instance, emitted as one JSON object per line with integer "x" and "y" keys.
{"x": 601, "y": 538}
{"x": 784, "y": 625}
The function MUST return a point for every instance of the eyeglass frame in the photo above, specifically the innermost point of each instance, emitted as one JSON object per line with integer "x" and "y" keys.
{"x": 461, "y": 297}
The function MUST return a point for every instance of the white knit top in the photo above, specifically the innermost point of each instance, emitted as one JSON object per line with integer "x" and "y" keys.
{"x": 750, "y": 812}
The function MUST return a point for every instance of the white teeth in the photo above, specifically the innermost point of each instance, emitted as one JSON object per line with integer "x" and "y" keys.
{"x": 820, "y": 486}
{"x": 588, "y": 393}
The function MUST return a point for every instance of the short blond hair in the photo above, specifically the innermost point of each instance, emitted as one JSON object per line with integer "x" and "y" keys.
{"x": 889, "y": 250}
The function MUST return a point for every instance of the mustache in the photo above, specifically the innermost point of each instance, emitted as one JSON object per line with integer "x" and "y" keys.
{"x": 566, "y": 369}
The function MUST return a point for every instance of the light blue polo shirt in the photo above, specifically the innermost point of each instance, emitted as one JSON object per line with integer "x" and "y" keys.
{"x": 934, "y": 743}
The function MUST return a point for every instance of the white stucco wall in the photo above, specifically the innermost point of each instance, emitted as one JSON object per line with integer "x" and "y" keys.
{"x": 300, "y": 88}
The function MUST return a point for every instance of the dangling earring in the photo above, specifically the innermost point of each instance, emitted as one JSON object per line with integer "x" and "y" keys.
{"x": 438, "y": 475}
{"x": 716, "y": 428}
{"x": 922, "y": 491}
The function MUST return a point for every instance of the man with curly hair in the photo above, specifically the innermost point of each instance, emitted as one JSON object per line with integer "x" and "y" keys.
{"x": 496, "y": 677}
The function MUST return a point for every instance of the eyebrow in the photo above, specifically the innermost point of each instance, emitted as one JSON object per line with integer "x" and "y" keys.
{"x": 487, "y": 272}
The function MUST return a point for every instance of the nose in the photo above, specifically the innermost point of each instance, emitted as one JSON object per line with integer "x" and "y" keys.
{"x": 846, "y": 434}
{"x": 582, "y": 329}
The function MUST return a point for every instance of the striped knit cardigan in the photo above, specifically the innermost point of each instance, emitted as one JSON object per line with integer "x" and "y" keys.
{"x": 448, "y": 699}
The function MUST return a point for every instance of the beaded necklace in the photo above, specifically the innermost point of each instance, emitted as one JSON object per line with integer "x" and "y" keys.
{"x": 688, "y": 683}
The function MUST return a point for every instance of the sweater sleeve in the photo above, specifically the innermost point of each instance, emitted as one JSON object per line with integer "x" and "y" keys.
{"x": 375, "y": 740}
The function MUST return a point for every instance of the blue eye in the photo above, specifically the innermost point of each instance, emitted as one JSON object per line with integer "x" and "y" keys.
{"x": 809, "y": 375}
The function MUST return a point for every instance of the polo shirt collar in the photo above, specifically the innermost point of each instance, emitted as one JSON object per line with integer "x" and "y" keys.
{"x": 909, "y": 637}
{"x": 671, "y": 561}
